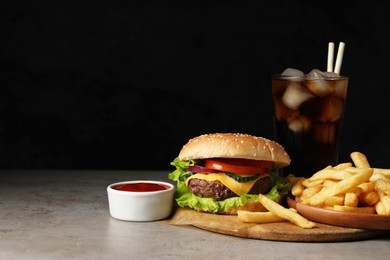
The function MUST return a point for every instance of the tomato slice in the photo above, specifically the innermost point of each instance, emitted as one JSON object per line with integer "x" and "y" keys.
{"x": 239, "y": 166}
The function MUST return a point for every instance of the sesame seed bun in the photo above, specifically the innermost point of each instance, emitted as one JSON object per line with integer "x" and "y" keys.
{"x": 235, "y": 145}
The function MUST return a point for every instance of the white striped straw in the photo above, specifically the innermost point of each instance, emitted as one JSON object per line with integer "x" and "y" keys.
{"x": 330, "y": 56}
{"x": 339, "y": 58}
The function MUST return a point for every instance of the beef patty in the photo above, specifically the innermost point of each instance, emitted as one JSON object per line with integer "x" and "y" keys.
{"x": 218, "y": 191}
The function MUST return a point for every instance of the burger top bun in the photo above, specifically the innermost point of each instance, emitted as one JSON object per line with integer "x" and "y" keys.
{"x": 235, "y": 145}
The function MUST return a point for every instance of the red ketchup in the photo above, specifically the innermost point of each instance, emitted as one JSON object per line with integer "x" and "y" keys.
{"x": 140, "y": 187}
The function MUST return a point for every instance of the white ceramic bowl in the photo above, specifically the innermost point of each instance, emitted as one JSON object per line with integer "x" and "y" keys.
{"x": 140, "y": 204}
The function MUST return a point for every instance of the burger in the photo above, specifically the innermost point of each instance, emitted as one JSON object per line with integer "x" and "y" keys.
{"x": 223, "y": 172}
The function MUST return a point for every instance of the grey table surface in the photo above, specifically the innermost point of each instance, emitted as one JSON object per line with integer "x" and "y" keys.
{"x": 58, "y": 214}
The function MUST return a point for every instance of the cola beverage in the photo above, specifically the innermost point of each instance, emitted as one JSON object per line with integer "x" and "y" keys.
{"x": 308, "y": 115}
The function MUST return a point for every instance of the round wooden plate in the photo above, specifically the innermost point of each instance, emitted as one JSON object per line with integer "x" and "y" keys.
{"x": 280, "y": 231}
{"x": 341, "y": 219}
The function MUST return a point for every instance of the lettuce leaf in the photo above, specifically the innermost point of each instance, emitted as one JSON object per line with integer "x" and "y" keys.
{"x": 185, "y": 198}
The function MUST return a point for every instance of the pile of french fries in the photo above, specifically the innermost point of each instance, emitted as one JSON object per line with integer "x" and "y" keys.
{"x": 346, "y": 187}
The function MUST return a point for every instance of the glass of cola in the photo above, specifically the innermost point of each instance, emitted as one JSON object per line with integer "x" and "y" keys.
{"x": 308, "y": 115}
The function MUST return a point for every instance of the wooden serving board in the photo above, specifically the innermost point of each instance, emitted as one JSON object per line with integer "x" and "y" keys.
{"x": 281, "y": 231}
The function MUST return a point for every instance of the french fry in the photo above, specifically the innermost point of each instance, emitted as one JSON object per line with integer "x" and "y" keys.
{"x": 352, "y": 170}
{"x": 258, "y": 217}
{"x": 340, "y": 187}
{"x": 330, "y": 174}
{"x": 379, "y": 176}
{"x": 367, "y": 210}
{"x": 351, "y": 199}
{"x": 360, "y": 160}
{"x": 357, "y": 190}
{"x": 328, "y": 183}
{"x": 367, "y": 186}
{"x": 285, "y": 213}
{"x": 383, "y": 186}
{"x": 386, "y": 205}
{"x": 310, "y": 191}
{"x": 307, "y": 183}
{"x": 334, "y": 200}
{"x": 297, "y": 188}
{"x": 385, "y": 172}
{"x": 342, "y": 166}
{"x": 382, "y": 207}
{"x": 319, "y": 172}
{"x": 369, "y": 198}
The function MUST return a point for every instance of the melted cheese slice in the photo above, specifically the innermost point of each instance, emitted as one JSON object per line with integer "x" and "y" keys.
{"x": 239, "y": 188}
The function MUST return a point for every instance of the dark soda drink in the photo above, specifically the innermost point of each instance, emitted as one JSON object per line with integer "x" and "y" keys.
{"x": 308, "y": 113}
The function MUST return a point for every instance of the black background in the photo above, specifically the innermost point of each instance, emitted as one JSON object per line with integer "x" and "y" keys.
{"x": 124, "y": 84}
